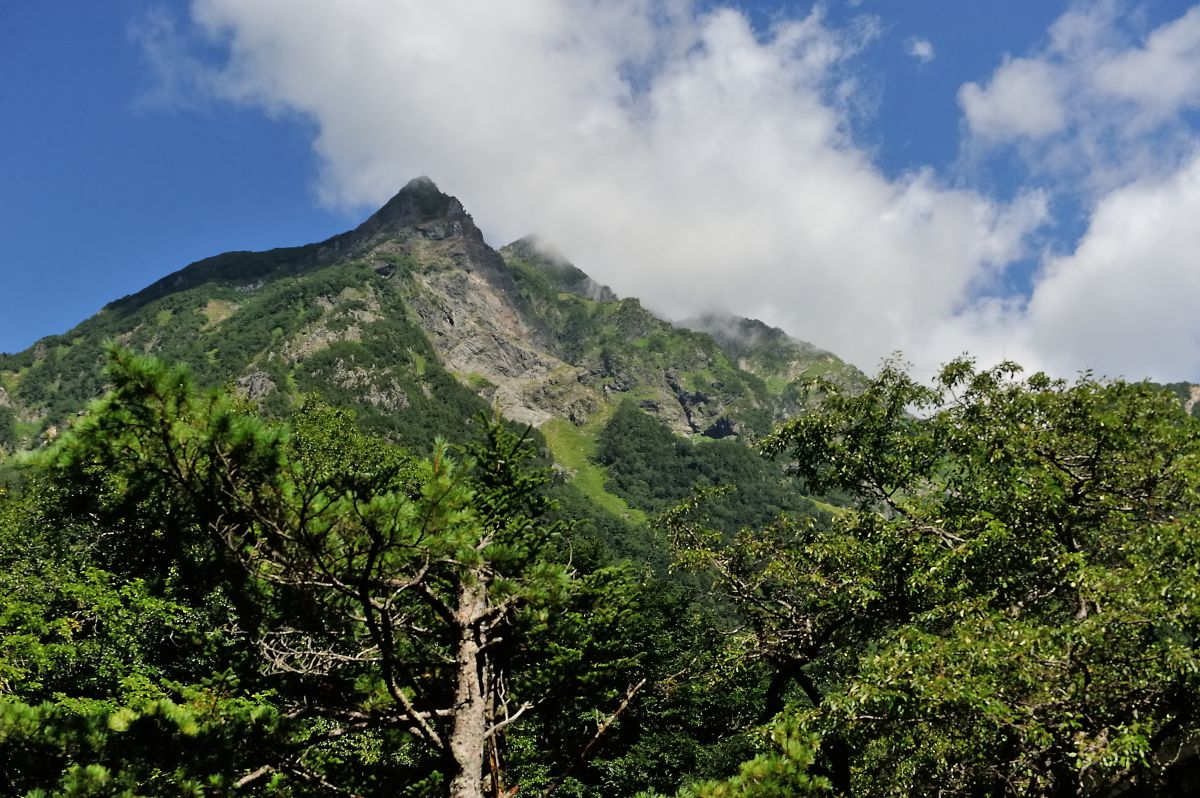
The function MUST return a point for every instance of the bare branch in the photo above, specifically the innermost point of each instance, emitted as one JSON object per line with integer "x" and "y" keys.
{"x": 601, "y": 730}
{"x": 253, "y": 776}
{"x": 521, "y": 710}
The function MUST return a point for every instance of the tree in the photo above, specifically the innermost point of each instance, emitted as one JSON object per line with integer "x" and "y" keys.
{"x": 8, "y": 429}
{"x": 414, "y": 599}
{"x": 1013, "y": 606}
{"x": 782, "y": 771}
{"x": 111, "y": 685}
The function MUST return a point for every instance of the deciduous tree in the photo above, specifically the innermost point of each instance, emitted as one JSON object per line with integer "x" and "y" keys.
{"x": 1014, "y": 605}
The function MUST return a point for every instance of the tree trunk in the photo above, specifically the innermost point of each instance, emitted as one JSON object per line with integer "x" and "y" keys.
{"x": 467, "y": 737}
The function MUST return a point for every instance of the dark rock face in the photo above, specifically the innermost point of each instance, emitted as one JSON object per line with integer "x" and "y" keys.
{"x": 420, "y": 201}
{"x": 255, "y": 386}
{"x": 723, "y": 427}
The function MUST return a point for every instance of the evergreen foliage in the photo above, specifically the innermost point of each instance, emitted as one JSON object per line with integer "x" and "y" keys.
{"x": 654, "y": 470}
{"x": 8, "y": 429}
{"x": 231, "y": 323}
{"x": 285, "y": 607}
{"x": 198, "y": 600}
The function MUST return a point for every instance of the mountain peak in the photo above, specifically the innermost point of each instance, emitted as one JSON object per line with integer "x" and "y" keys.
{"x": 538, "y": 254}
{"x": 534, "y": 247}
{"x": 420, "y": 182}
{"x": 419, "y": 201}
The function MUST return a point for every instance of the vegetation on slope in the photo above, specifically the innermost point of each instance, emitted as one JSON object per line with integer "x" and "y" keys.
{"x": 338, "y": 332}
{"x": 574, "y": 447}
{"x": 197, "y": 601}
{"x": 628, "y": 350}
{"x": 653, "y": 469}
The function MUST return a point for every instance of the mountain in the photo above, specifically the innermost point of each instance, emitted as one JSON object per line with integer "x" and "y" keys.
{"x": 415, "y": 322}
{"x": 784, "y": 363}
{"x": 193, "y": 603}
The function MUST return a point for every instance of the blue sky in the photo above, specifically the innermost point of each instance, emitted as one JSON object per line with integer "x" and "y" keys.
{"x": 825, "y": 167}
{"x": 104, "y": 191}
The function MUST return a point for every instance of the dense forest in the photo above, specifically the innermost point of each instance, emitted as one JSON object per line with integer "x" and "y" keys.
{"x": 997, "y": 592}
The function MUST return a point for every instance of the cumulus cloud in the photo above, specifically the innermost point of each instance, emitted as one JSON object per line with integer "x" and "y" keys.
{"x": 1024, "y": 98}
{"x": 1159, "y": 78}
{"x": 1097, "y": 102}
{"x": 1123, "y": 302}
{"x": 675, "y": 154}
{"x": 921, "y": 49}
{"x": 681, "y": 156}
{"x": 1104, "y": 114}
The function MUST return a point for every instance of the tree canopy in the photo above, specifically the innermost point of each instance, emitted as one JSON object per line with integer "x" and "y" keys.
{"x": 1012, "y": 607}
{"x": 198, "y": 601}
{"x": 374, "y": 613}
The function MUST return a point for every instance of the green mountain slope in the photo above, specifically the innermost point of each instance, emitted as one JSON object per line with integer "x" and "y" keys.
{"x": 784, "y": 363}
{"x": 689, "y": 379}
{"x": 413, "y": 321}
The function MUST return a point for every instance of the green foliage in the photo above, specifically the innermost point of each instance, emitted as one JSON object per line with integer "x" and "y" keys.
{"x": 173, "y": 528}
{"x": 781, "y": 772}
{"x": 111, "y": 686}
{"x": 182, "y": 744}
{"x": 1184, "y": 390}
{"x": 1024, "y": 558}
{"x": 653, "y": 469}
{"x": 8, "y": 429}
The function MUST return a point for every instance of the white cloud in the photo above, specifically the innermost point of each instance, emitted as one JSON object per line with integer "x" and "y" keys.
{"x": 1159, "y": 78}
{"x": 1104, "y": 114}
{"x": 921, "y": 49}
{"x": 1096, "y": 103}
{"x": 685, "y": 158}
{"x": 1024, "y": 98}
{"x": 1122, "y": 303}
{"x": 1125, "y": 301}
{"x": 677, "y": 155}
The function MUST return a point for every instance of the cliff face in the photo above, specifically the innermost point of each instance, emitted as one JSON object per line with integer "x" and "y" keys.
{"x": 412, "y": 319}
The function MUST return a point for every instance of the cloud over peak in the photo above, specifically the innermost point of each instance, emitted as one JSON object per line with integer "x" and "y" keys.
{"x": 679, "y": 154}
{"x": 676, "y": 154}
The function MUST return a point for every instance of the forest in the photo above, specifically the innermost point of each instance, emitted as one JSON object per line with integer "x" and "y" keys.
{"x": 993, "y": 589}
